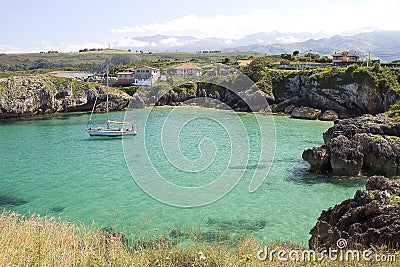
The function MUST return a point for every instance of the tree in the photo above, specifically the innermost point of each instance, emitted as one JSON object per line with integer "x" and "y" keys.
{"x": 296, "y": 53}
{"x": 120, "y": 60}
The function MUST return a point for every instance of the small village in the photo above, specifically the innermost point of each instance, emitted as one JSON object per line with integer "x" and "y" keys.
{"x": 148, "y": 76}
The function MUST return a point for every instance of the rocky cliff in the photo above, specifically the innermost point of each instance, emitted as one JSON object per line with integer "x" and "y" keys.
{"x": 347, "y": 98}
{"x": 364, "y": 144}
{"x": 370, "y": 219}
{"x": 23, "y": 96}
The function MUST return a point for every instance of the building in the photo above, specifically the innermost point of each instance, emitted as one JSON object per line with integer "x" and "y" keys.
{"x": 126, "y": 77}
{"x": 344, "y": 59}
{"x": 146, "y": 76}
{"x": 187, "y": 70}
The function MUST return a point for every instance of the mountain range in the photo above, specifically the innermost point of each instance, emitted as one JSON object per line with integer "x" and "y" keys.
{"x": 383, "y": 45}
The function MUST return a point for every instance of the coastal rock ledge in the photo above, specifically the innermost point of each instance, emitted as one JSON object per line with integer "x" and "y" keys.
{"x": 368, "y": 144}
{"x": 370, "y": 219}
{"x": 26, "y": 96}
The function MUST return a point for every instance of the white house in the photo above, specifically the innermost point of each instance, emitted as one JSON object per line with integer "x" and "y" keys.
{"x": 146, "y": 75}
{"x": 187, "y": 70}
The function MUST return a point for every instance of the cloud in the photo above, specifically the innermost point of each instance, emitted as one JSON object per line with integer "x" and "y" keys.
{"x": 288, "y": 39}
{"x": 329, "y": 18}
{"x": 223, "y": 26}
{"x": 131, "y": 42}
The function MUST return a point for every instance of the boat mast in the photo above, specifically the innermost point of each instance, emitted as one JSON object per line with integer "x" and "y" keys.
{"x": 107, "y": 95}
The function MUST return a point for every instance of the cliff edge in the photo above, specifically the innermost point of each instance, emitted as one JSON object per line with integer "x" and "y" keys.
{"x": 25, "y": 96}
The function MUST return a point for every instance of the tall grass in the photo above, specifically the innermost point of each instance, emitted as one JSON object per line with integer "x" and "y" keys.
{"x": 43, "y": 241}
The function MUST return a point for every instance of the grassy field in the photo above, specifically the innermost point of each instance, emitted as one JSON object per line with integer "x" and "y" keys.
{"x": 42, "y": 241}
{"x": 96, "y": 60}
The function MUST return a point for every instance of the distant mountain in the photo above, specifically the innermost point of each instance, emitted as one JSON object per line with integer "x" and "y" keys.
{"x": 163, "y": 43}
{"x": 384, "y": 45}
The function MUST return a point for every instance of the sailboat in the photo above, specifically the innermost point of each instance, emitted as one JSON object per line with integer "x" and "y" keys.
{"x": 113, "y": 128}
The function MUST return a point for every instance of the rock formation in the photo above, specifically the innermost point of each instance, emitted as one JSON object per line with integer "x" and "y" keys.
{"x": 24, "y": 96}
{"x": 370, "y": 219}
{"x": 349, "y": 99}
{"x": 367, "y": 143}
{"x": 305, "y": 113}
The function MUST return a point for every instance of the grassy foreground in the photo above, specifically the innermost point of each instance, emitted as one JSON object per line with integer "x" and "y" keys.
{"x": 42, "y": 241}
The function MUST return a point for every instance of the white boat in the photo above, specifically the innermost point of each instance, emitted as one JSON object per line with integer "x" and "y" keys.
{"x": 112, "y": 128}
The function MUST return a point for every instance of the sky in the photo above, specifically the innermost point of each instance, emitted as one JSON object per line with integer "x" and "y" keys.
{"x": 70, "y": 25}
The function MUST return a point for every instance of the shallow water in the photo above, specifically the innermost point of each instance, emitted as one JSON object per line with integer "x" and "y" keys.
{"x": 51, "y": 166}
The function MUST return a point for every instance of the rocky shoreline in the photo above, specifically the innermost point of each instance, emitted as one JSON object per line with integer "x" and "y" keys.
{"x": 27, "y": 96}
{"x": 368, "y": 144}
{"x": 369, "y": 220}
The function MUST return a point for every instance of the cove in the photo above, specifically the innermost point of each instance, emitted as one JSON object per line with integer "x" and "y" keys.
{"x": 52, "y": 167}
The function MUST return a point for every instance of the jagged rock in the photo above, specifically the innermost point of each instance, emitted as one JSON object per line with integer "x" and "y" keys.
{"x": 217, "y": 95}
{"x": 347, "y": 100}
{"x": 256, "y": 101}
{"x": 362, "y": 140}
{"x": 289, "y": 109}
{"x": 346, "y": 156}
{"x": 318, "y": 158}
{"x": 136, "y": 102}
{"x": 280, "y": 107}
{"x": 329, "y": 115}
{"x": 381, "y": 153}
{"x": 305, "y": 113}
{"x": 370, "y": 219}
{"x": 42, "y": 94}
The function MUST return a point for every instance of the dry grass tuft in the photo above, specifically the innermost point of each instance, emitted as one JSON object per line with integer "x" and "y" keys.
{"x": 43, "y": 241}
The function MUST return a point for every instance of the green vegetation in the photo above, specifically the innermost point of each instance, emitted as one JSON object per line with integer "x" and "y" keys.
{"x": 393, "y": 114}
{"x": 395, "y": 200}
{"x": 42, "y": 241}
{"x": 371, "y": 196}
{"x": 95, "y": 61}
{"x": 272, "y": 81}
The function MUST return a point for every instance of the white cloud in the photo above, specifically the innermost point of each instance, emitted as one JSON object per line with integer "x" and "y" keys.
{"x": 289, "y": 39}
{"x": 224, "y": 26}
{"x": 343, "y": 17}
{"x": 171, "y": 42}
{"x": 131, "y": 42}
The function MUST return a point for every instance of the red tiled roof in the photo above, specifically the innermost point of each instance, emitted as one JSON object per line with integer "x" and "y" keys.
{"x": 344, "y": 54}
{"x": 187, "y": 66}
{"x": 244, "y": 62}
{"x": 147, "y": 67}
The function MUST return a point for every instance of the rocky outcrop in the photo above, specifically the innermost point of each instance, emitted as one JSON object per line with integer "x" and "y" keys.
{"x": 329, "y": 115}
{"x": 305, "y": 113}
{"x": 249, "y": 100}
{"x": 24, "y": 96}
{"x": 370, "y": 219}
{"x": 347, "y": 99}
{"x": 367, "y": 143}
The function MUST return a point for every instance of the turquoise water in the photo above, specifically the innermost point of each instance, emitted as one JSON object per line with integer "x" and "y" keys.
{"x": 52, "y": 167}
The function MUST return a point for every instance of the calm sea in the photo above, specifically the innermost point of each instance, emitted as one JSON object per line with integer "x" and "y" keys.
{"x": 52, "y": 167}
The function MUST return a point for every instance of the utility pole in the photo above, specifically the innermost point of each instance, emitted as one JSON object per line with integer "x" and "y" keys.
{"x": 369, "y": 58}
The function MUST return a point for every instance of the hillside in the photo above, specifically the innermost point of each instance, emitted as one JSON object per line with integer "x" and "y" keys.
{"x": 96, "y": 60}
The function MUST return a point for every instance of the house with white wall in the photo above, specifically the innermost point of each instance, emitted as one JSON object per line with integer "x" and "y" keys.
{"x": 187, "y": 70}
{"x": 146, "y": 75}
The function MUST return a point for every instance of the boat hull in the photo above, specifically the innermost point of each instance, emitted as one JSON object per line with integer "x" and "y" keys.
{"x": 110, "y": 132}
